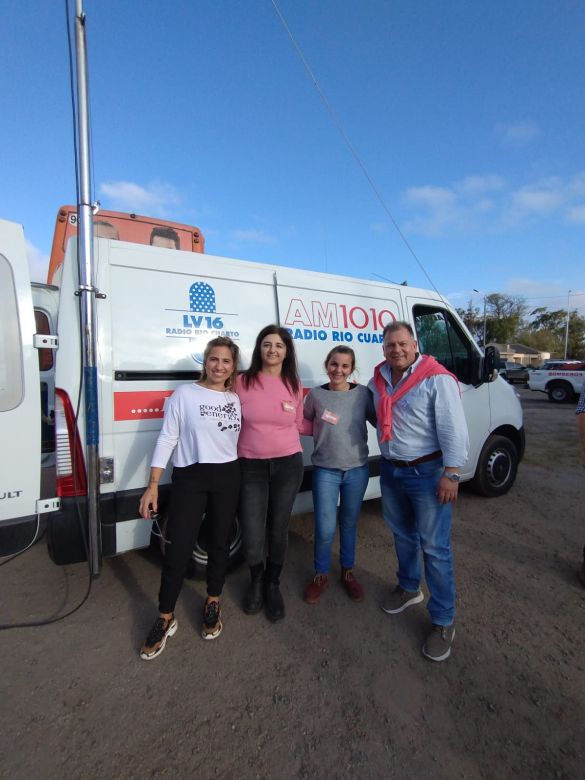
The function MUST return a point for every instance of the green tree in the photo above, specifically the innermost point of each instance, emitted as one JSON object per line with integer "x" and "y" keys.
{"x": 576, "y": 340}
{"x": 547, "y": 330}
{"x": 473, "y": 319}
{"x": 504, "y": 317}
{"x": 542, "y": 340}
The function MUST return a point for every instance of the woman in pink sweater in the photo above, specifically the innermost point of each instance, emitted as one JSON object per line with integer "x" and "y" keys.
{"x": 271, "y": 462}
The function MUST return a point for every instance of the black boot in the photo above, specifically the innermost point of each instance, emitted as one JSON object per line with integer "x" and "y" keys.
{"x": 254, "y": 600}
{"x": 272, "y": 594}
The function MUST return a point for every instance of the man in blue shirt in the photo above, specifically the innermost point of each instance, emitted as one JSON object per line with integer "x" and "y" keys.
{"x": 581, "y": 431}
{"x": 422, "y": 450}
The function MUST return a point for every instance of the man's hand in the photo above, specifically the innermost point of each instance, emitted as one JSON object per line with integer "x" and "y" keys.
{"x": 447, "y": 490}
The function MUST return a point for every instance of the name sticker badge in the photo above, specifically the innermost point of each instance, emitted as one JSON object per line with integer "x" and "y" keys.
{"x": 330, "y": 417}
{"x": 287, "y": 406}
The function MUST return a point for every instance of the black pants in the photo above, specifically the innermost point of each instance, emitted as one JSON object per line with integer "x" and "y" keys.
{"x": 202, "y": 488}
{"x": 269, "y": 488}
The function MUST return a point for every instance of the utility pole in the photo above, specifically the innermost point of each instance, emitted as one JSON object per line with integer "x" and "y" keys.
{"x": 484, "y": 315}
{"x": 567, "y": 327}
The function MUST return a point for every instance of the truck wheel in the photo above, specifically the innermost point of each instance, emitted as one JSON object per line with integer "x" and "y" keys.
{"x": 197, "y": 567}
{"x": 198, "y": 563}
{"x": 496, "y": 468}
{"x": 560, "y": 393}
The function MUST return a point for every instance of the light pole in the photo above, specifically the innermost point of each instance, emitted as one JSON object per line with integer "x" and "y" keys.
{"x": 567, "y": 327}
{"x": 484, "y": 315}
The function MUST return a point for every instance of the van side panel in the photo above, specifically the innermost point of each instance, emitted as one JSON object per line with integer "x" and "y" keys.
{"x": 163, "y": 308}
{"x": 343, "y": 312}
{"x": 159, "y": 309}
{"x": 20, "y": 419}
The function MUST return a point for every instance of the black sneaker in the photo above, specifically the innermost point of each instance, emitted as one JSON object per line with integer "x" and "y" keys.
{"x": 400, "y": 599}
{"x": 157, "y": 637}
{"x": 439, "y": 641}
{"x": 212, "y": 624}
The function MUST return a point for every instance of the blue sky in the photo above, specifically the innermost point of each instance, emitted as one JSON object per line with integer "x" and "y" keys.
{"x": 467, "y": 115}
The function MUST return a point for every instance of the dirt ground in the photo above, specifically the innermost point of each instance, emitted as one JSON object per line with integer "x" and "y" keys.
{"x": 336, "y": 690}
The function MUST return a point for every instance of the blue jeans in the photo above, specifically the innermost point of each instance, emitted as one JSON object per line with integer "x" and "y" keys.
{"x": 349, "y": 487}
{"x": 419, "y": 522}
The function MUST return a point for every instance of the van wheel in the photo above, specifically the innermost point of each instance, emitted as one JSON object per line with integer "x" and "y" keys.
{"x": 496, "y": 468}
{"x": 560, "y": 393}
{"x": 197, "y": 567}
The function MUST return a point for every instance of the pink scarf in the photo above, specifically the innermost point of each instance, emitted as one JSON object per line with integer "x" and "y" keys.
{"x": 427, "y": 367}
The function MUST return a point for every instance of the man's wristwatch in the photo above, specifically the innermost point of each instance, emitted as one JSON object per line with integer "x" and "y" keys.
{"x": 453, "y": 477}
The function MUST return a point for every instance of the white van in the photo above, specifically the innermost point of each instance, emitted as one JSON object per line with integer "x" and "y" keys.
{"x": 158, "y": 309}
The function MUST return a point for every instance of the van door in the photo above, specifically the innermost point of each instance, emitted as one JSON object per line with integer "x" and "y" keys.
{"x": 439, "y": 333}
{"x": 20, "y": 420}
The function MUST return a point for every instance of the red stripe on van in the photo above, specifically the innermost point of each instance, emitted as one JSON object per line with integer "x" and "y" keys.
{"x": 140, "y": 405}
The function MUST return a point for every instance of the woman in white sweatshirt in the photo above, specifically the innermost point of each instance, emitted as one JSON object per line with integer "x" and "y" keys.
{"x": 200, "y": 434}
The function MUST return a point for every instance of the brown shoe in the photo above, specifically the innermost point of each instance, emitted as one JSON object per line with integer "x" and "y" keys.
{"x": 352, "y": 587}
{"x": 315, "y": 588}
{"x": 157, "y": 637}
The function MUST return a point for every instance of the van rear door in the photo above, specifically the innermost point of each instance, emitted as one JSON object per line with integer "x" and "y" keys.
{"x": 20, "y": 420}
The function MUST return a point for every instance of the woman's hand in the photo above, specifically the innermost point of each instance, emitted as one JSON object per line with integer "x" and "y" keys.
{"x": 149, "y": 500}
{"x": 150, "y": 496}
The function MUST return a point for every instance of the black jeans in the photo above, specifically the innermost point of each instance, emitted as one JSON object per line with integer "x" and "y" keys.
{"x": 268, "y": 490}
{"x": 201, "y": 488}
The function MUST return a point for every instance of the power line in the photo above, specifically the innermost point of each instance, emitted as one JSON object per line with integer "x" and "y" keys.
{"x": 350, "y": 146}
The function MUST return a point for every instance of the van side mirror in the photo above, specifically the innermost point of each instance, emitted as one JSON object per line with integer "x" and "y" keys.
{"x": 491, "y": 359}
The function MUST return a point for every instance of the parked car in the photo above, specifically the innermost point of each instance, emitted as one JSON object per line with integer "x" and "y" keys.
{"x": 561, "y": 365}
{"x": 561, "y": 381}
{"x": 513, "y": 372}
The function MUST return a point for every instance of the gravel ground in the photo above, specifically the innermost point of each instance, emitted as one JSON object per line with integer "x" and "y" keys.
{"x": 336, "y": 690}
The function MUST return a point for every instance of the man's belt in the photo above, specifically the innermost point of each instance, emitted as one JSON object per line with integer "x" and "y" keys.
{"x": 425, "y": 458}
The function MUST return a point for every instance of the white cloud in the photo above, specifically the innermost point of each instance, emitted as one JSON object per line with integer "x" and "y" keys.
{"x": 486, "y": 203}
{"x": 518, "y": 133}
{"x": 477, "y": 185}
{"x": 156, "y": 199}
{"x": 38, "y": 263}
{"x": 433, "y": 197}
{"x": 460, "y": 297}
{"x": 548, "y": 294}
{"x": 577, "y": 214}
{"x": 536, "y": 200}
{"x": 254, "y": 236}
{"x": 532, "y": 288}
{"x": 547, "y": 196}
{"x": 442, "y": 209}
{"x": 576, "y": 186}
{"x": 379, "y": 227}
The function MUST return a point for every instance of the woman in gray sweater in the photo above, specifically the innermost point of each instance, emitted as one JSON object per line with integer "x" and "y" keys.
{"x": 337, "y": 412}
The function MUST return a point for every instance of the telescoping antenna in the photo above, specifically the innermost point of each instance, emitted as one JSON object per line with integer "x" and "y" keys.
{"x": 87, "y": 293}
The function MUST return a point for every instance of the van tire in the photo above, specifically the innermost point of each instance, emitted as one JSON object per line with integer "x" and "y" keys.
{"x": 560, "y": 392}
{"x": 197, "y": 566}
{"x": 496, "y": 468}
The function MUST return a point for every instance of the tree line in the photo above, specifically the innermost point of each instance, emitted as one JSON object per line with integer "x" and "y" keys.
{"x": 508, "y": 319}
